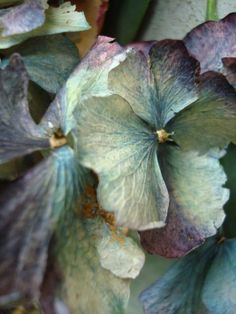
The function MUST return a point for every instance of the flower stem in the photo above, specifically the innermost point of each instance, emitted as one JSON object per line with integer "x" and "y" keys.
{"x": 211, "y": 13}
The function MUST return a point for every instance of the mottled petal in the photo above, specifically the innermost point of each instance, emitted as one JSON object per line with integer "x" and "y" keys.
{"x": 196, "y": 202}
{"x": 19, "y": 135}
{"x": 88, "y": 79}
{"x": 121, "y": 149}
{"x": 133, "y": 81}
{"x": 57, "y": 20}
{"x": 80, "y": 256}
{"x": 49, "y": 60}
{"x": 219, "y": 289}
{"x": 179, "y": 289}
{"x": 22, "y": 18}
{"x": 30, "y": 209}
{"x": 175, "y": 74}
{"x": 210, "y": 121}
{"x": 212, "y": 41}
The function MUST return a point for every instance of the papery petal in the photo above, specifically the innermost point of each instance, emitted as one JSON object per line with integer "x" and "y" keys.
{"x": 175, "y": 72}
{"x": 57, "y": 20}
{"x": 121, "y": 149}
{"x": 19, "y": 135}
{"x": 49, "y": 60}
{"x": 210, "y": 121}
{"x": 133, "y": 81}
{"x": 179, "y": 289}
{"x": 88, "y": 79}
{"x": 212, "y": 41}
{"x": 30, "y": 210}
{"x": 195, "y": 185}
{"x": 22, "y": 18}
{"x": 80, "y": 256}
{"x": 220, "y": 283}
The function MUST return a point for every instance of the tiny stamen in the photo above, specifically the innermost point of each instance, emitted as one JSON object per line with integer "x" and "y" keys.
{"x": 163, "y": 136}
{"x": 58, "y": 139}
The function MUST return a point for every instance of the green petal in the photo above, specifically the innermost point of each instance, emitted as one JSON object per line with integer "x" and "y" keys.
{"x": 197, "y": 197}
{"x": 121, "y": 149}
{"x": 210, "y": 121}
{"x": 57, "y": 20}
{"x": 89, "y": 79}
{"x": 81, "y": 252}
{"x": 19, "y": 134}
{"x": 49, "y": 60}
{"x": 30, "y": 210}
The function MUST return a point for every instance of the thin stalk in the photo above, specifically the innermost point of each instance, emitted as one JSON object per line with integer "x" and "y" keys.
{"x": 212, "y": 14}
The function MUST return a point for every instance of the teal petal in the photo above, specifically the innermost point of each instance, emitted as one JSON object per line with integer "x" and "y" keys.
{"x": 179, "y": 289}
{"x": 90, "y": 78}
{"x": 102, "y": 286}
{"x": 197, "y": 196}
{"x": 30, "y": 209}
{"x": 49, "y": 60}
{"x": 157, "y": 84}
{"x": 202, "y": 282}
{"x": 174, "y": 72}
{"x": 121, "y": 149}
{"x": 57, "y": 20}
{"x": 133, "y": 81}
{"x": 210, "y": 121}
{"x": 19, "y": 134}
{"x": 220, "y": 283}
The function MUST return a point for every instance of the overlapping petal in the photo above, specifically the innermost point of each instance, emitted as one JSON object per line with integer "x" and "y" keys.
{"x": 97, "y": 260}
{"x": 49, "y": 60}
{"x": 121, "y": 148}
{"x": 213, "y": 41}
{"x": 197, "y": 196}
{"x": 19, "y": 134}
{"x": 22, "y": 18}
{"x": 210, "y": 121}
{"x": 35, "y": 18}
{"x": 30, "y": 209}
{"x": 90, "y": 78}
{"x": 159, "y": 84}
{"x": 201, "y": 282}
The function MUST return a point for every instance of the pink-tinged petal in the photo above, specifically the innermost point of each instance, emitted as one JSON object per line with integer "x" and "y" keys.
{"x": 212, "y": 41}
{"x": 143, "y": 46}
{"x": 196, "y": 202}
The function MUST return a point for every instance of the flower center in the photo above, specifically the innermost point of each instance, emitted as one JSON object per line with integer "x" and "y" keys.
{"x": 58, "y": 139}
{"x": 163, "y": 136}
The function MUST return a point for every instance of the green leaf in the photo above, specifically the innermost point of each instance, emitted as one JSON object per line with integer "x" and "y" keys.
{"x": 196, "y": 201}
{"x": 57, "y": 20}
{"x": 49, "y": 60}
{"x": 30, "y": 209}
{"x": 87, "y": 244}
